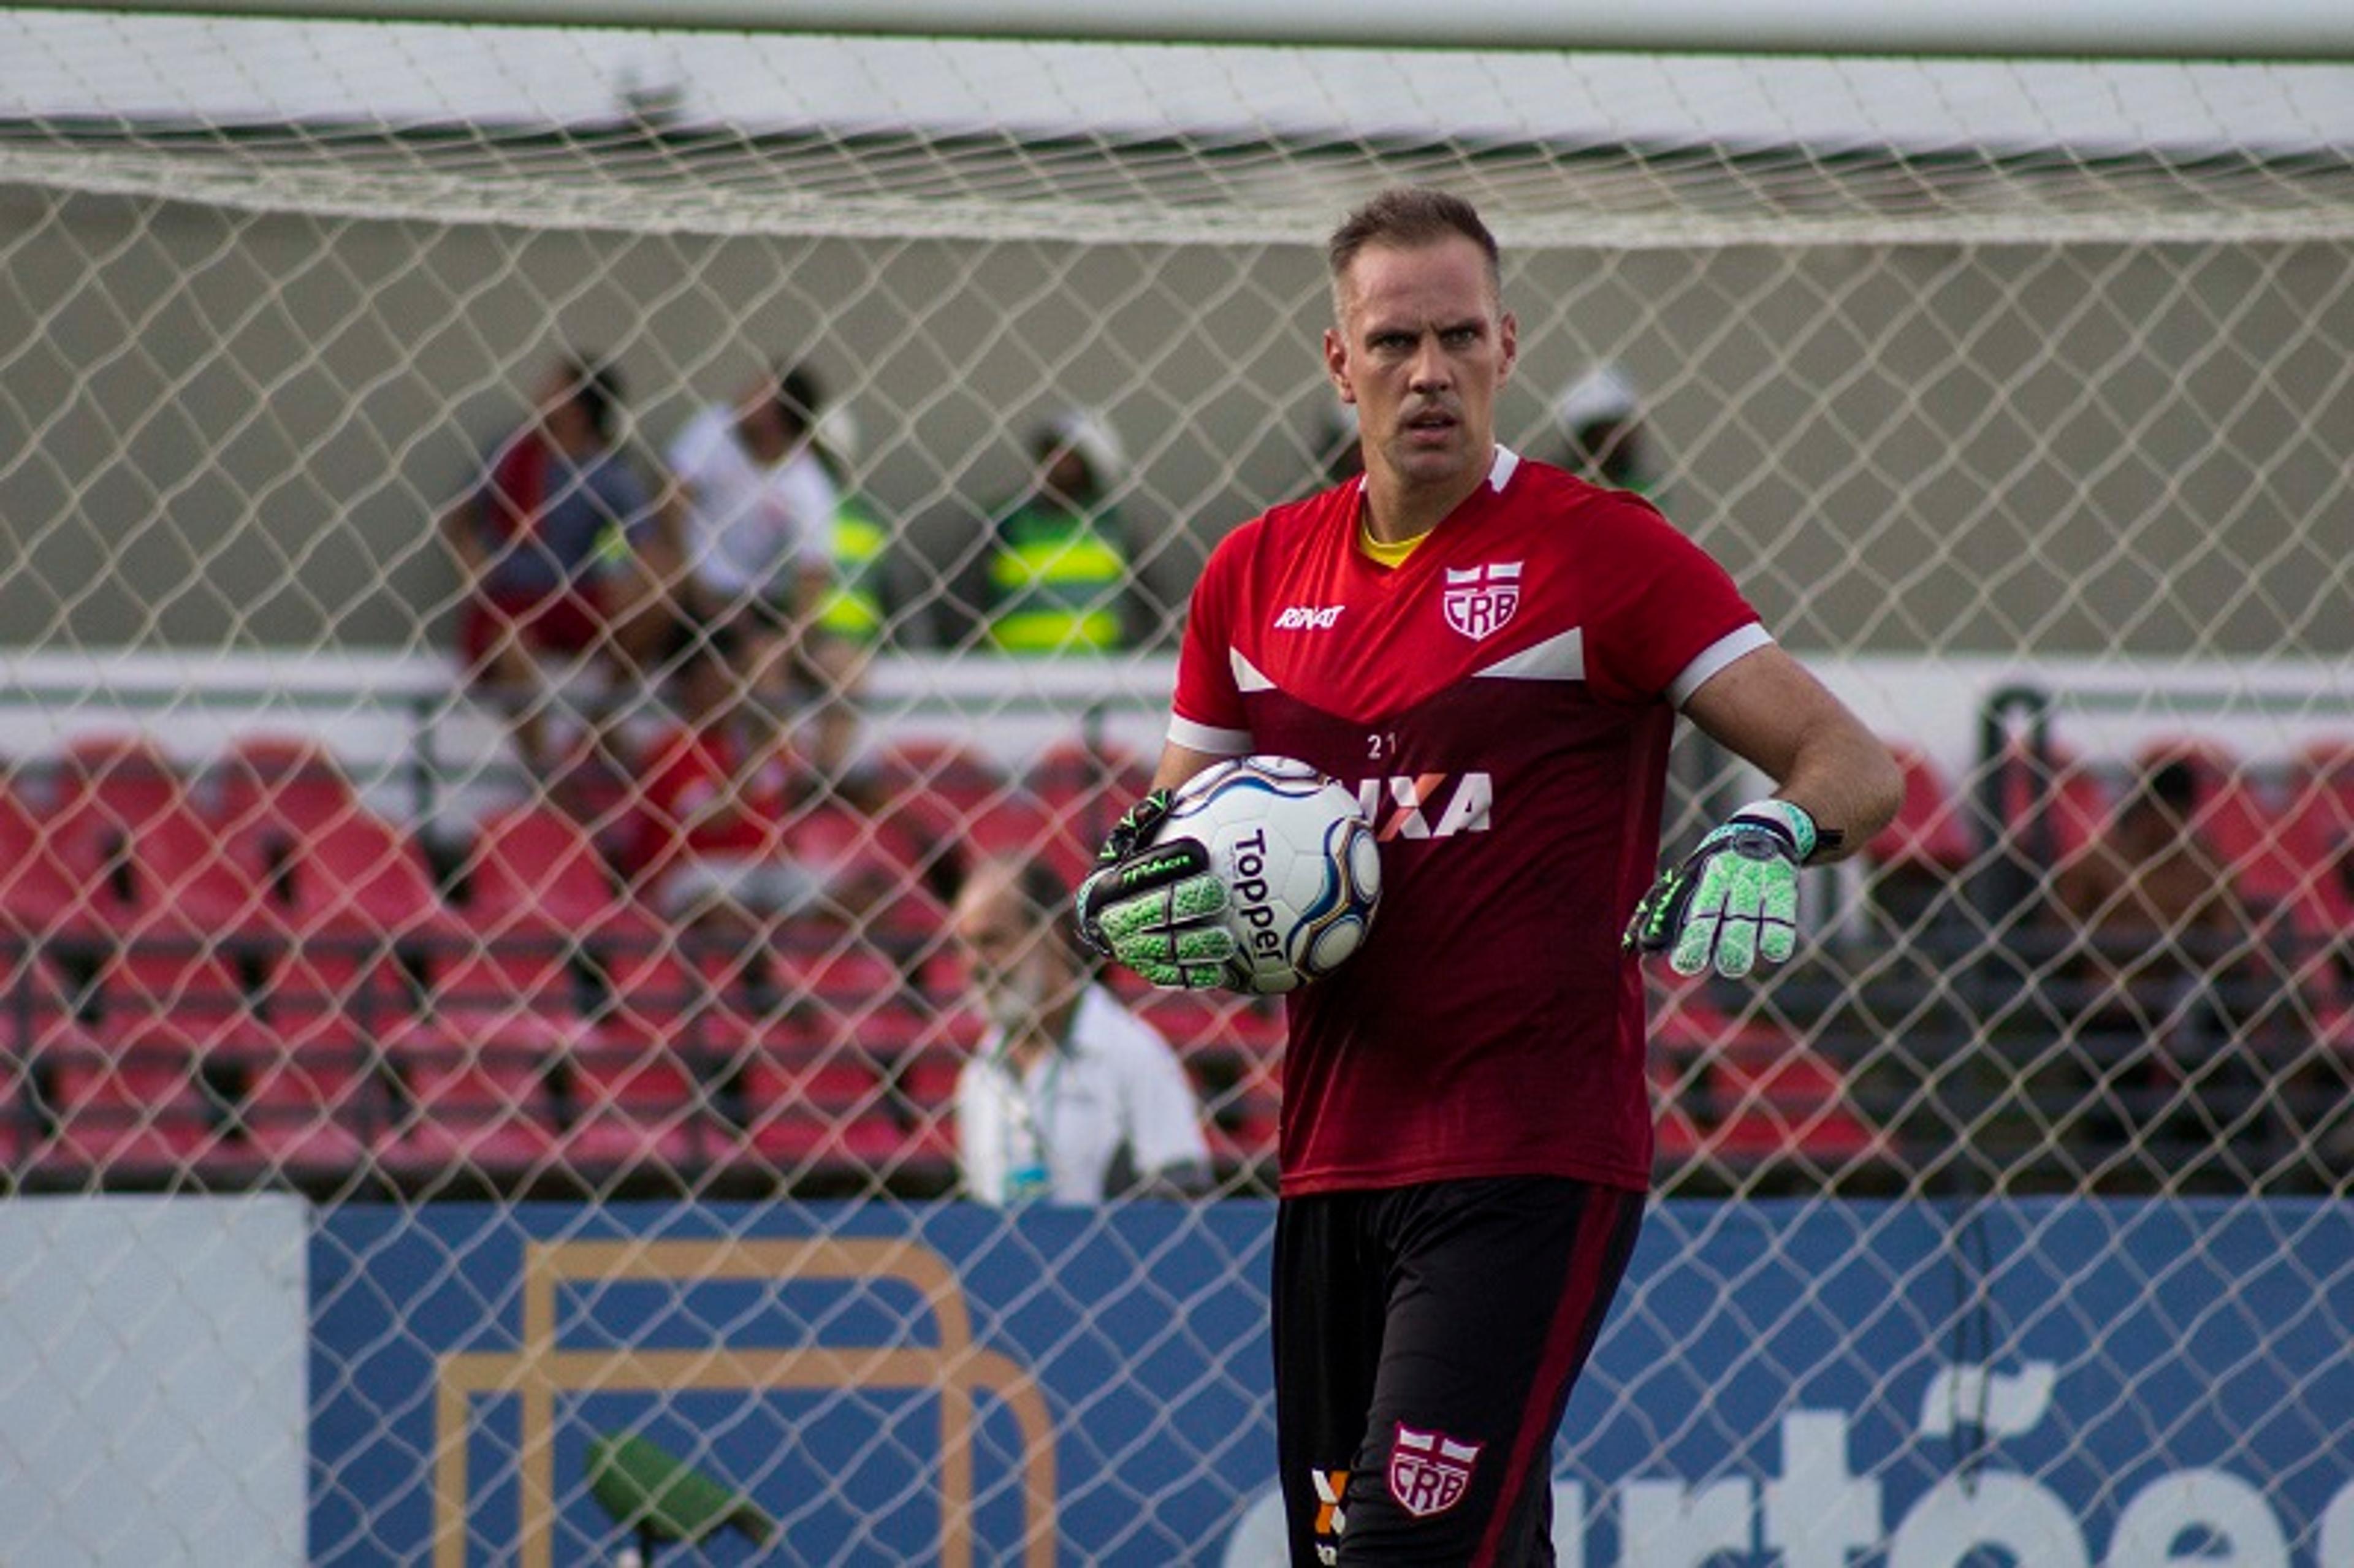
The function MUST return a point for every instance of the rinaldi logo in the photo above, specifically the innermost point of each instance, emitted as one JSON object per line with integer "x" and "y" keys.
{"x": 1429, "y": 1472}
{"x": 1479, "y": 600}
{"x": 1309, "y": 617}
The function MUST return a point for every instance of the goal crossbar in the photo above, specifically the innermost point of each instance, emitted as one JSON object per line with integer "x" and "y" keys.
{"x": 2308, "y": 30}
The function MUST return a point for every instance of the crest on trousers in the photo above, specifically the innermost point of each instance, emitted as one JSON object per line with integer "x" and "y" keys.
{"x": 1480, "y": 599}
{"x": 1429, "y": 1471}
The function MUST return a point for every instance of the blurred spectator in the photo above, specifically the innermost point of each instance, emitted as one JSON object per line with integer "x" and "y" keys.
{"x": 552, "y": 545}
{"x": 712, "y": 847}
{"x": 758, "y": 510}
{"x": 1070, "y": 1098}
{"x": 1605, "y": 438}
{"x": 1338, "y": 455}
{"x": 855, "y": 611}
{"x": 1060, "y": 568}
{"x": 2158, "y": 950}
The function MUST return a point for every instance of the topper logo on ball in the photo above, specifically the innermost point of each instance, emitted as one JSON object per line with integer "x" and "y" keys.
{"x": 1479, "y": 600}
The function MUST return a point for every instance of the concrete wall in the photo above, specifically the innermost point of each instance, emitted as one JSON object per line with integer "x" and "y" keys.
{"x": 226, "y": 431}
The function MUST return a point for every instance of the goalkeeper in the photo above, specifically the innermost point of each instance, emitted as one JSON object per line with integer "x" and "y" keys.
{"x": 1496, "y": 656}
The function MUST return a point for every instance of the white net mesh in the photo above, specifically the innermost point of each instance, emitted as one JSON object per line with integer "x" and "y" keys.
{"x": 2015, "y": 394}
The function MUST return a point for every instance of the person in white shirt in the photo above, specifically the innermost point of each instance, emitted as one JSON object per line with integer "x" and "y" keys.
{"x": 757, "y": 531}
{"x": 1070, "y": 1098}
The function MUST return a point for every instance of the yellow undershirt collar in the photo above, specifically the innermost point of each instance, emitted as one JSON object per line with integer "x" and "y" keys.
{"x": 1382, "y": 554}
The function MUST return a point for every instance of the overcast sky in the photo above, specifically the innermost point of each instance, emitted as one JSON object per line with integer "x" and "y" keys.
{"x": 54, "y": 64}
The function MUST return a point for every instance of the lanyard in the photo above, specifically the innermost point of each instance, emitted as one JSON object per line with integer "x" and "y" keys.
{"x": 1031, "y": 1122}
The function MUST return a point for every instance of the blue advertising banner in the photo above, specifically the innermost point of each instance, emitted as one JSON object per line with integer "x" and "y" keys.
{"x": 2059, "y": 1383}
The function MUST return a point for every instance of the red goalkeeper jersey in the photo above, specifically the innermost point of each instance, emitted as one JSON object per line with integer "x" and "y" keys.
{"x": 1501, "y": 703}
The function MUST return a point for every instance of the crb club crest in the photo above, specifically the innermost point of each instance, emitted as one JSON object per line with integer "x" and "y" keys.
{"x": 1479, "y": 600}
{"x": 1429, "y": 1472}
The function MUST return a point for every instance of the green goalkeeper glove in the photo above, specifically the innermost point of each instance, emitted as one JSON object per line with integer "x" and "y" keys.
{"x": 1734, "y": 899}
{"x": 1157, "y": 907}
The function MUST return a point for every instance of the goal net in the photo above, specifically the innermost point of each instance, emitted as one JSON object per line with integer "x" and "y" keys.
{"x": 352, "y": 959}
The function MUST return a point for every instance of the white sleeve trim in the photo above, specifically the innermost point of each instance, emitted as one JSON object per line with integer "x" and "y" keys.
{"x": 1715, "y": 657}
{"x": 1207, "y": 739}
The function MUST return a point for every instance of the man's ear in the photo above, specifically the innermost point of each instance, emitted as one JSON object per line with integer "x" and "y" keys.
{"x": 1507, "y": 333}
{"x": 1336, "y": 365}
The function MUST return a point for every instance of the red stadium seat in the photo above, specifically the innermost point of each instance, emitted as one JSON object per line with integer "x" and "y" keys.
{"x": 332, "y": 995}
{"x": 940, "y": 782}
{"x": 878, "y": 871}
{"x": 2057, "y": 805}
{"x": 292, "y": 784}
{"x": 2237, "y": 826}
{"x": 124, "y": 773}
{"x": 361, "y": 877}
{"x": 39, "y": 896}
{"x": 1792, "y": 1105}
{"x": 129, "y": 1113}
{"x": 489, "y": 1114}
{"x": 1085, "y": 789}
{"x": 801, "y": 1105}
{"x": 311, "y": 1117}
{"x": 629, "y": 1106}
{"x": 163, "y": 871}
{"x": 1931, "y": 831}
{"x": 535, "y": 871}
{"x": 178, "y": 983}
{"x": 522, "y": 1006}
{"x": 2317, "y": 836}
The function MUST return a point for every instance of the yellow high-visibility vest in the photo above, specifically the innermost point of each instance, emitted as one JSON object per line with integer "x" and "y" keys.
{"x": 852, "y": 608}
{"x": 1055, "y": 579}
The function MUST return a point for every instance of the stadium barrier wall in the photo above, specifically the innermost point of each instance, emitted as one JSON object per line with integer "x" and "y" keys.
{"x": 2132, "y": 1384}
{"x": 153, "y": 1400}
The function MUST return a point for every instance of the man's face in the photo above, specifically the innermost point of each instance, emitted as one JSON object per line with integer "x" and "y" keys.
{"x": 1421, "y": 348}
{"x": 1018, "y": 972}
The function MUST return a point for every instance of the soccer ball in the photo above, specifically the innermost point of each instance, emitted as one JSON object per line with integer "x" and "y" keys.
{"x": 1297, "y": 856}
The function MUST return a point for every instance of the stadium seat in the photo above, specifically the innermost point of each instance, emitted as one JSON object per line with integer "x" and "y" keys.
{"x": 129, "y": 1113}
{"x": 522, "y": 1005}
{"x": 155, "y": 867}
{"x": 2054, "y": 806}
{"x": 2317, "y": 835}
{"x": 1789, "y": 1105}
{"x": 36, "y": 1003}
{"x": 311, "y": 1117}
{"x": 1086, "y": 788}
{"x": 630, "y": 1107}
{"x": 1932, "y": 829}
{"x": 648, "y": 991}
{"x": 1019, "y": 829}
{"x": 361, "y": 877}
{"x": 852, "y": 996}
{"x": 534, "y": 870}
{"x": 167, "y": 980}
{"x": 124, "y": 773}
{"x": 289, "y": 783}
{"x": 880, "y": 873}
{"x": 822, "y": 1113}
{"x": 38, "y": 895}
{"x": 334, "y": 994}
{"x": 939, "y": 783}
{"x": 2238, "y": 827}
{"x": 488, "y": 1113}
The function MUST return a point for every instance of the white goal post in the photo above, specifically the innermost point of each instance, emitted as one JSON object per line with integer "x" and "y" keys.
{"x": 2004, "y": 354}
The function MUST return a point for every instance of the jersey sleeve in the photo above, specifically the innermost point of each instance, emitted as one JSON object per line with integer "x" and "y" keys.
{"x": 1206, "y": 713}
{"x": 1672, "y": 618}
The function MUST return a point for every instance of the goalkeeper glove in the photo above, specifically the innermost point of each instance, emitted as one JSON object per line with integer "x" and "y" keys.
{"x": 1157, "y": 907}
{"x": 1734, "y": 899}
